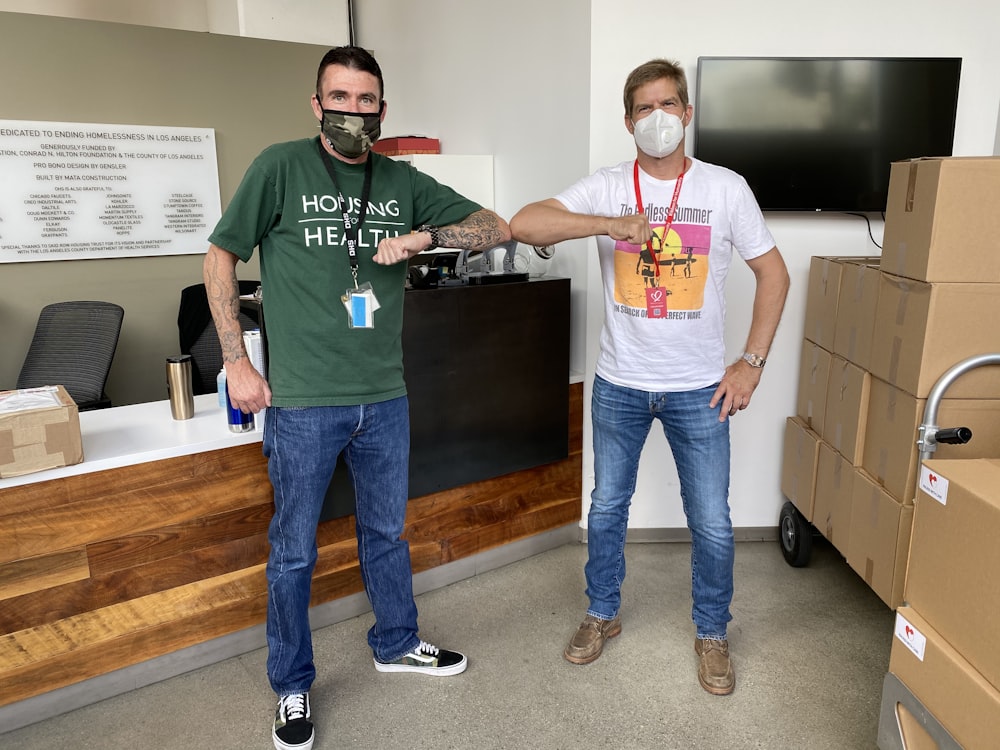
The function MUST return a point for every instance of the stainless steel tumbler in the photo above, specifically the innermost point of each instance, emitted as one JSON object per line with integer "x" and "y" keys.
{"x": 179, "y": 387}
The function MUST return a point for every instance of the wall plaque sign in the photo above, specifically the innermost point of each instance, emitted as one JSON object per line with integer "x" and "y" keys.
{"x": 72, "y": 191}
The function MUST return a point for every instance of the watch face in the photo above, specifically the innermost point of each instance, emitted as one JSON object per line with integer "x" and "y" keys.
{"x": 754, "y": 360}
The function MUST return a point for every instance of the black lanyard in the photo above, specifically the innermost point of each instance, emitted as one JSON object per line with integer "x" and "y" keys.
{"x": 350, "y": 232}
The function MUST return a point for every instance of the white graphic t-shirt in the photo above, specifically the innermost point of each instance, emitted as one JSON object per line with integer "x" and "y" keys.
{"x": 682, "y": 347}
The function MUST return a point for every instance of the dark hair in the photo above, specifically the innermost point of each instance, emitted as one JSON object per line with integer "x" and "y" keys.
{"x": 651, "y": 71}
{"x": 355, "y": 58}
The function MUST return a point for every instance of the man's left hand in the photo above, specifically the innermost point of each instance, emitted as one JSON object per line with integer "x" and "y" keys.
{"x": 395, "y": 249}
{"x": 736, "y": 388}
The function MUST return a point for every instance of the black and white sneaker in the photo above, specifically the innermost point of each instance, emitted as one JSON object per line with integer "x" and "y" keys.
{"x": 293, "y": 729}
{"x": 426, "y": 659}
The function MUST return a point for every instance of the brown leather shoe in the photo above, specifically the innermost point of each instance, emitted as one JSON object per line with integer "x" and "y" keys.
{"x": 588, "y": 642}
{"x": 715, "y": 671}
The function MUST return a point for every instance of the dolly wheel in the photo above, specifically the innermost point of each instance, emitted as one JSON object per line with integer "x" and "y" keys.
{"x": 795, "y": 536}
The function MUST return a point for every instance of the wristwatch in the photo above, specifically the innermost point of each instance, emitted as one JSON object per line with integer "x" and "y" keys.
{"x": 433, "y": 232}
{"x": 754, "y": 360}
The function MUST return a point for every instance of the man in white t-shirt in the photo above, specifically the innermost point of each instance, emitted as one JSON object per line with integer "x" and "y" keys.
{"x": 662, "y": 352}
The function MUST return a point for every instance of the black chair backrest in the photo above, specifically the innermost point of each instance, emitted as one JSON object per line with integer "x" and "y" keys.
{"x": 198, "y": 336}
{"x": 73, "y": 346}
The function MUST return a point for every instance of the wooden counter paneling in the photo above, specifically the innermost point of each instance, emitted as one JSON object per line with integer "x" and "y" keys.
{"x": 104, "y": 570}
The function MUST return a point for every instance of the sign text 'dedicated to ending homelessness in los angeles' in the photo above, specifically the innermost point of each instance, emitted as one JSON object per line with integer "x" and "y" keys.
{"x": 71, "y": 191}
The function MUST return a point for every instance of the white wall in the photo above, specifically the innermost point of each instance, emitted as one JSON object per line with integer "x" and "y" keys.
{"x": 628, "y": 32}
{"x": 509, "y": 79}
{"x": 307, "y": 21}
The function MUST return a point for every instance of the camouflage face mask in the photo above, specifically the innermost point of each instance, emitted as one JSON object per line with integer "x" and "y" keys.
{"x": 351, "y": 134}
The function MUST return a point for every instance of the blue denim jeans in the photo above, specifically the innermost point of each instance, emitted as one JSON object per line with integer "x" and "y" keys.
{"x": 302, "y": 445}
{"x": 622, "y": 418}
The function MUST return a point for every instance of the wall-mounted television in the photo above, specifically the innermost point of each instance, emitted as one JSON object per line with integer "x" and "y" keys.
{"x": 819, "y": 134}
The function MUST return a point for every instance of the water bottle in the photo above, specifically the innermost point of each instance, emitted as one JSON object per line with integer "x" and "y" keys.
{"x": 220, "y": 385}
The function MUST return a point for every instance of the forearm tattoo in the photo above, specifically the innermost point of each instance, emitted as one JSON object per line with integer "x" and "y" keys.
{"x": 223, "y": 300}
{"x": 478, "y": 231}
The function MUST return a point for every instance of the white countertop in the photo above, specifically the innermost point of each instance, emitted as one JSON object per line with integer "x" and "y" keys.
{"x": 128, "y": 435}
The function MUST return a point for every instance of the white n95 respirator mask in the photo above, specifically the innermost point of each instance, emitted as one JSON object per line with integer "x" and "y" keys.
{"x": 659, "y": 133}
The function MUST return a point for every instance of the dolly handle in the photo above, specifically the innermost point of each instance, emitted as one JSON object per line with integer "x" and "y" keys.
{"x": 953, "y": 435}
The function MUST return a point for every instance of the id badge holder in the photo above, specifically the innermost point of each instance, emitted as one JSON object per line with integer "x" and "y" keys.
{"x": 656, "y": 302}
{"x": 361, "y": 304}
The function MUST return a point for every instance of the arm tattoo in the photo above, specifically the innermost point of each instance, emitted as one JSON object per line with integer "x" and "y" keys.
{"x": 478, "y": 231}
{"x": 222, "y": 289}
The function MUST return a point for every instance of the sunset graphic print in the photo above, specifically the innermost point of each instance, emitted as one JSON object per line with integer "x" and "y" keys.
{"x": 682, "y": 257}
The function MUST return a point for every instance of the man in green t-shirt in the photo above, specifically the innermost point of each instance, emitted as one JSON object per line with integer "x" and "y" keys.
{"x": 335, "y": 224}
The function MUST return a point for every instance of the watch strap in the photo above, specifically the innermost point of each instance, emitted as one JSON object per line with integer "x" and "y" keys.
{"x": 433, "y": 232}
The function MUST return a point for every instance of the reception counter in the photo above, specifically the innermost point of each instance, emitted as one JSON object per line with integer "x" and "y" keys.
{"x": 157, "y": 542}
{"x": 137, "y": 434}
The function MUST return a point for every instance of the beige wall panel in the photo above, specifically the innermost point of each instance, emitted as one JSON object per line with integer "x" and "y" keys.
{"x": 177, "y": 14}
{"x": 253, "y": 92}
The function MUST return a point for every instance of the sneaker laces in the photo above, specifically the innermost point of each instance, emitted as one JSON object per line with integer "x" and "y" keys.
{"x": 425, "y": 648}
{"x": 294, "y": 706}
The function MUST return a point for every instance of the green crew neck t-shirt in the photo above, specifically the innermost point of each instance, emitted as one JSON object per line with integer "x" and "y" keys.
{"x": 288, "y": 206}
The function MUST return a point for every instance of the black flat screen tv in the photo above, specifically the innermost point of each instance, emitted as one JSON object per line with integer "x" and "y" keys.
{"x": 819, "y": 134}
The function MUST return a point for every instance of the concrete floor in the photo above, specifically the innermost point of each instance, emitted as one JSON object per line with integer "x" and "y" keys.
{"x": 810, "y": 648}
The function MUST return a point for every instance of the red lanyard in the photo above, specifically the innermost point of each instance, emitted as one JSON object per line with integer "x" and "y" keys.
{"x": 670, "y": 213}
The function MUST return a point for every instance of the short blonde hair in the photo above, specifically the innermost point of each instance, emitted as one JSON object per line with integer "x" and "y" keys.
{"x": 654, "y": 70}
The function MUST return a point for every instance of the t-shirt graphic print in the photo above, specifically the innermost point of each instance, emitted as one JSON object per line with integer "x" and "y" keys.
{"x": 682, "y": 258}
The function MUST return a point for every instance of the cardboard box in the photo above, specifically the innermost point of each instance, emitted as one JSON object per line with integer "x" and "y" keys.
{"x": 879, "y": 540}
{"x": 859, "y": 286}
{"x": 891, "y": 455}
{"x": 833, "y": 497}
{"x": 846, "y": 413}
{"x": 937, "y": 675}
{"x": 941, "y": 219}
{"x": 814, "y": 378}
{"x": 407, "y": 145}
{"x": 39, "y": 429}
{"x": 951, "y": 575}
{"x": 798, "y": 467}
{"x": 922, "y": 330}
{"x": 822, "y": 298}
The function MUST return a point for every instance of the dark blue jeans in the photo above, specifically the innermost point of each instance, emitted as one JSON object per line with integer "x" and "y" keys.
{"x": 302, "y": 445}
{"x": 622, "y": 418}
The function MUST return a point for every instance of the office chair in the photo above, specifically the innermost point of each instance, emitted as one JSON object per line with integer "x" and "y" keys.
{"x": 198, "y": 337}
{"x": 73, "y": 346}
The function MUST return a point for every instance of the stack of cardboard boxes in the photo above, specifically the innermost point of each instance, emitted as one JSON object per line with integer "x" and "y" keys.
{"x": 944, "y": 650}
{"x": 879, "y": 334}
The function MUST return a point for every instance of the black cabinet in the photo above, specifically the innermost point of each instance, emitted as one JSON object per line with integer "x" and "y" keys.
{"x": 487, "y": 372}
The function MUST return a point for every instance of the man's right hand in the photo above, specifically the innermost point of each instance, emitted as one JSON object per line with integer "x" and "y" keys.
{"x": 248, "y": 391}
{"x": 633, "y": 229}
{"x": 548, "y": 222}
